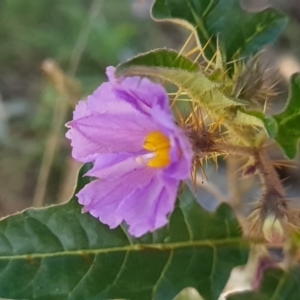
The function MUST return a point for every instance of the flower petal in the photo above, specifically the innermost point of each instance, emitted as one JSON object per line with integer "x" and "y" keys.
{"x": 105, "y": 101}
{"x": 181, "y": 156}
{"x": 181, "y": 150}
{"x": 111, "y": 166}
{"x": 146, "y": 209}
{"x": 142, "y": 93}
{"x": 98, "y": 134}
{"x": 101, "y": 198}
{"x": 110, "y": 130}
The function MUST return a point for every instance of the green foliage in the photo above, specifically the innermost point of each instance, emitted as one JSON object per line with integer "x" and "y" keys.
{"x": 59, "y": 253}
{"x": 289, "y": 121}
{"x": 242, "y": 33}
{"x": 276, "y": 284}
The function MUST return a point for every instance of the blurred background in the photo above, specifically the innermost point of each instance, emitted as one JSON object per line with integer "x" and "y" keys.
{"x": 53, "y": 53}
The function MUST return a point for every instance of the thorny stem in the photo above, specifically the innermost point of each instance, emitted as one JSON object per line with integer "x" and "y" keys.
{"x": 274, "y": 218}
{"x": 273, "y": 200}
{"x": 267, "y": 172}
{"x": 235, "y": 149}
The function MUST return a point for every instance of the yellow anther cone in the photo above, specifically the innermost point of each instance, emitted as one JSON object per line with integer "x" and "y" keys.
{"x": 158, "y": 143}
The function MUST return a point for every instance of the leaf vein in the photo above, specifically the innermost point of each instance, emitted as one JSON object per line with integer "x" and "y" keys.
{"x": 162, "y": 275}
{"x": 138, "y": 247}
{"x": 34, "y": 276}
{"x": 213, "y": 267}
{"x": 83, "y": 277}
{"x": 121, "y": 270}
{"x": 189, "y": 229}
{"x": 51, "y": 233}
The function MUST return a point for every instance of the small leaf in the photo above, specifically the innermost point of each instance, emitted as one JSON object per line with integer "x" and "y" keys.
{"x": 276, "y": 284}
{"x": 289, "y": 121}
{"x": 242, "y": 33}
{"x": 58, "y": 253}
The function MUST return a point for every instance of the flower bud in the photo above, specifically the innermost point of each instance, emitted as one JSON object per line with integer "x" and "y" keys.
{"x": 272, "y": 230}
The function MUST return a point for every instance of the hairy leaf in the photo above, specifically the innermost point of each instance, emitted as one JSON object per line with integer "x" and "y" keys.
{"x": 59, "y": 253}
{"x": 171, "y": 66}
{"x": 289, "y": 121}
{"x": 276, "y": 284}
{"x": 164, "y": 58}
{"x": 242, "y": 33}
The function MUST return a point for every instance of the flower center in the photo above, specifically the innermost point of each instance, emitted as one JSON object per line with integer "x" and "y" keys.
{"x": 159, "y": 144}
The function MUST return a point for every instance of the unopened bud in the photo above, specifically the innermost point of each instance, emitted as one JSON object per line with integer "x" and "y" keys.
{"x": 273, "y": 230}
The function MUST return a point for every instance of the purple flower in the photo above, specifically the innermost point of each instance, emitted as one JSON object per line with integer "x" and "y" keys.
{"x": 140, "y": 155}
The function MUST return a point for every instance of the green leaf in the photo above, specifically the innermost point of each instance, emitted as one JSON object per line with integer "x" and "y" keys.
{"x": 164, "y": 58}
{"x": 58, "y": 253}
{"x": 276, "y": 284}
{"x": 242, "y": 33}
{"x": 289, "y": 121}
{"x": 171, "y": 66}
